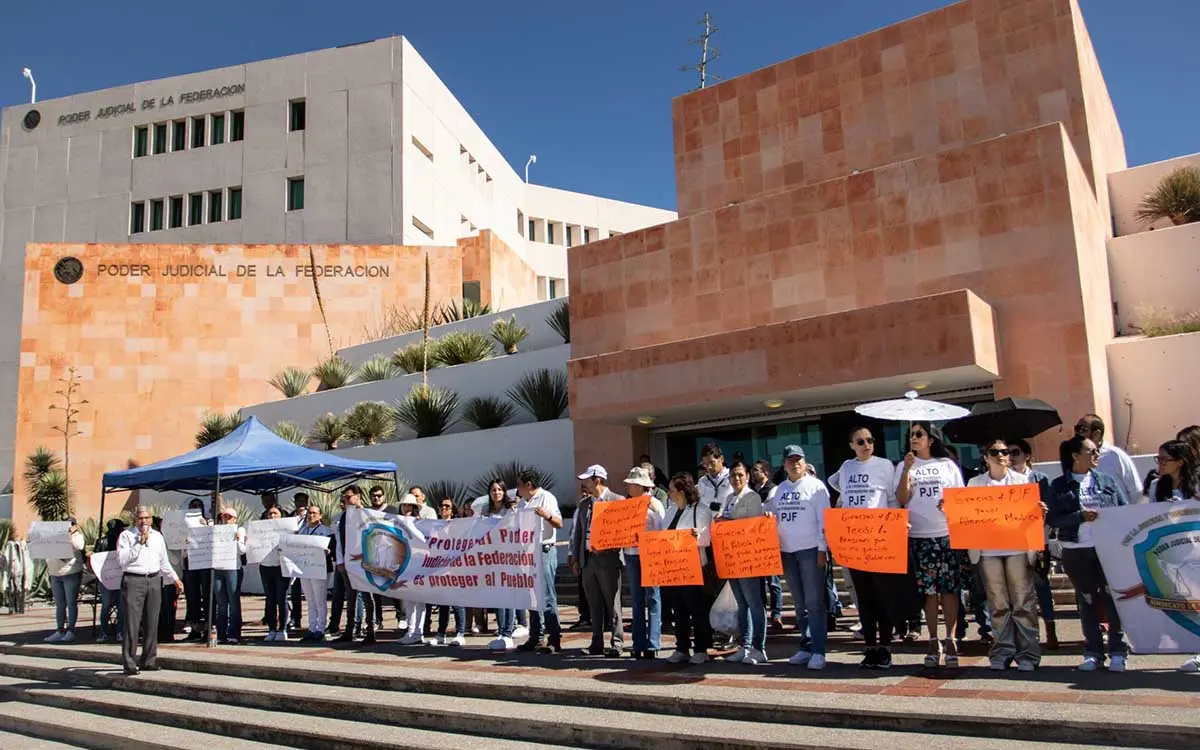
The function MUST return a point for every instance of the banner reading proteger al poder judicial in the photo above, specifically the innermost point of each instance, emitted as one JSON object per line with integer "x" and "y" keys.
{"x": 467, "y": 562}
{"x": 1151, "y": 558}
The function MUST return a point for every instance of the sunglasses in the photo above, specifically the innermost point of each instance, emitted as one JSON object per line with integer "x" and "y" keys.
{"x": 998, "y": 452}
{"x": 865, "y": 441}
{"x": 1015, "y": 451}
{"x": 919, "y": 435}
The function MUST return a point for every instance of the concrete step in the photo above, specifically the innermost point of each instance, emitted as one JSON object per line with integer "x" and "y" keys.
{"x": 14, "y": 741}
{"x": 650, "y": 713}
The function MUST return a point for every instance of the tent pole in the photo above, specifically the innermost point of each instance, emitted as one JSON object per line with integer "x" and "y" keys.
{"x": 212, "y": 604}
{"x": 100, "y": 524}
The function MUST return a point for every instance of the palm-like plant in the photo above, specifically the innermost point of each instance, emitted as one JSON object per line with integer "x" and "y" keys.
{"x": 376, "y": 368}
{"x": 542, "y": 393}
{"x": 462, "y": 347}
{"x": 334, "y": 372}
{"x": 456, "y": 491}
{"x": 560, "y": 320}
{"x": 215, "y": 426}
{"x": 40, "y": 463}
{"x": 291, "y": 432}
{"x": 49, "y": 493}
{"x": 452, "y": 311}
{"x": 488, "y": 412}
{"x": 328, "y": 430}
{"x": 427, "y": 410}
{"x": 411, "y": 358}
{"x": 1176, "y": 197}
{"x": 507, "y": 472}
{"x": 370, "y": 422}
{"x": 509, "y": 333}
{"x": 291, "y": 381}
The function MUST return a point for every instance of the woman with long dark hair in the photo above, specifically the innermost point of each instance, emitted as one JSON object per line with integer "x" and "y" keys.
{"x": 499, "y": 505}
{"x": 1178, "y": 464}
{"x": 690, "y": 604}
{"x": 447, "y": 511}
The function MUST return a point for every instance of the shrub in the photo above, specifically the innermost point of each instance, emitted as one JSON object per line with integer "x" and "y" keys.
{"x": 507, "y": 472}
{"x": 291, "y": 432}
{"x": 215, "y": 426}
{"x": 488, "y": 412}
{"x": 1175, "y": 197}
{"x": 1167, "y": 323}
{"x": 49, "y": 494}
{"x": 452, "y": 311}
{"x": 456, "y": 491}
{"x": 427, "y": 410}
{"x": 411, "y": 358}
{"x": 560, "y": 320}
{"x": 509, "y": 333}
{"x": 328, "y": 430}
{"x": 542, "y": 393}
{"x": 291, "y": 382}
{"x": 334, "y": 372}
{"x": 370, "y": 422}
{"x": 377, "y": 368}
{"x": 462, "y": 347}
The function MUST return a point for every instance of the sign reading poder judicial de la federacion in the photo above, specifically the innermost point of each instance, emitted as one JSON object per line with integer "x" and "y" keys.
{"x": 163, "y": 102}
{"x": 241, "y": 270}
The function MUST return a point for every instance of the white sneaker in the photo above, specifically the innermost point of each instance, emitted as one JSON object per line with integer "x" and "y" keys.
{"x": 755, "y": 657}
{"x": 816, "y": 662}
{"x": 1116, "y": 663}
{"x": 411, "y": 639}
{"x": 677, "y": 657}
{"x": 67, "y": 637}
{"x": 458, "y": 640}
{"x": 1191, "y": 666}
{"x": 698, "y": 658}
{"x": 1089, "y": 664}
{"x": 510, "y": 643}
{"x": 270, "y": 636}
{"x": 737, "y": 657}
{"x": 520, "y": 633}
{"x": 282, "y": 636}
{"x": 54, "y": 637}
{"x": 800, "y": 658}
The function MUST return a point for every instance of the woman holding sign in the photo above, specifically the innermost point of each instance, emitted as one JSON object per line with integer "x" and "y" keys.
{"x": 65, "y": 576}
{"x": 1178, "y": 479}
{"x": 743, "y": 502}
{"x": 275, "y": 587}
{"x": 941, "y": 572}
{"x": 689, "y": 603}
{"x": 1008, "y": 577}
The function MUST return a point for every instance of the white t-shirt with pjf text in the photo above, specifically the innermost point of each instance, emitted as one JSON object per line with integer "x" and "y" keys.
{"x": 927, "y": 478}
{"x": 866, "y": 484}
{"x": 799, "y": 509}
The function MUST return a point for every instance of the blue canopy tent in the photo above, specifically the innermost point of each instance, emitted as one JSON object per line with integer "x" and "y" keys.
{"x": 250, "y": 459}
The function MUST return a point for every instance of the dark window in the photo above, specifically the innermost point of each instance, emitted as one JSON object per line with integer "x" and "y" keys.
{"x": 532, "y": 227}
{"x": 179, "y": 135}
{"x": 471, "y": 291}
{"x": 570, "y": 235}
{"x": 215, "y": 207}
{"x": 555, "y": 288}
{"x": 296, "y": 115}
{"x": 295, "y": 194}
{"x": 218, "y": 129}
{"x": 175, "y": 212}
{"x": 198, "y": 132}
{"x": 237, "y": 126}
{"x": 195, "y": 209}
{"x": 160, "y": 137}
{"x": 137, "y": 218}
{"x": 156, "y": 215}
{"x": 141, "y": 141}
{"x": 235, "y": 204}
{"x": 550, "y": 233}
{"x": 587, "y": 235}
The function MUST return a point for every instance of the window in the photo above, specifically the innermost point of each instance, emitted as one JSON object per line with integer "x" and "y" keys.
{"x": 423, "y": 227}
{"x": 198, "y": 132}
{"x": 295, "y": 194}
{"x": 471, "y": 291}
{"x": 175, "y": 212}
{"x": 160, "y": 137}
{"x": 195, "y": 209}
{"x": 137, "y": 218}
{"x": 179, "y": 135}
{"x": 141, "y": 141}
{"x": 532, "y": 227}
{"x": 237, "y": 126}
{"x": 235, "y": 204}
{"x": 295, "y": 115}
{"x": 570, "y": 235}
{"x": 216, "y": 206}
{"x": 550, "y": 232}
{"x": 218, "y": 129}
{"x": 587, "y": 235}
{"x": 520, "y": 223}
{"x": 156, "y": 215}
{"x": 555, "y": 288}
{"x": 421, "y": 147}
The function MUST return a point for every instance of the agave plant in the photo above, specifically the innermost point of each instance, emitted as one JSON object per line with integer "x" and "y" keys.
{"x": 40, "y": 463}
{"x": 49, "y": 493}
{"x": 542, "y": 393}
{"x": 560, "y": 320}
{"x": 462, "y": 347}
{"x": 456, "y": 491}
{"x": 411, "y": 359}
{"x": 8, "y": 532}
{"x": 215, "y": 426}
{"x": 291, "y": 432}
{"x": 488, "y": 412}
{"x": 334, "y": 372}
{"x": 377, "y": 368}
{"x": 291, "y": 382}
{"x": 509, "y": 333}
{"x": 428, "y": 410}
{"x": 452, "y": 311}
{"x": 1176, "y": 197}
{"x": 370, "y": 422}
{"x": 327, "y": 430}
{"x": 507, "y": 472}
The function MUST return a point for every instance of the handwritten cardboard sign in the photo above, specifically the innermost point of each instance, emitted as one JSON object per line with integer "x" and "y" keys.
{"x": 617, "y": 523}
{"x": 746, "y": 548}
{"x": 1006, "y": 517}
{"x": 107, "y": 568}
{"x": 262, "y": 537}
{"x": 212, "y": 547}
{"x": 302, "y": 556}
{"x": 50, "y": 540}
{"x": 670, "y": 558}
{"x": 176, "y": 522}
{"x": 870, "y": 539}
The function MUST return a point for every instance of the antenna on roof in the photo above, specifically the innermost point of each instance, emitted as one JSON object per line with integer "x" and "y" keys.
{"x": 708, "y": 53}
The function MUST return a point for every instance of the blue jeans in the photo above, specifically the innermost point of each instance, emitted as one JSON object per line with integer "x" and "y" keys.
{"x": 807, "y": 582}
{"x": 1045, "y": 599}
{"x": 505, "y": 622}
{"x": 109, "y": 601}
{"x": 66, "y": 599}
{"x": 647, "y": 614}
{"x": 460, "y": 617}
{"x": 1091, "y": 588}
{"x": 752, "y": 618}
{"x": 833, "y": 603}
{"x": 229, "y": 604}
{"x": 549, "y": 611}
{"x": 771, "y": 591}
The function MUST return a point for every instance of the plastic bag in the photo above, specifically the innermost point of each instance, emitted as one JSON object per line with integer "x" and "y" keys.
{"x": 724, "y": 613}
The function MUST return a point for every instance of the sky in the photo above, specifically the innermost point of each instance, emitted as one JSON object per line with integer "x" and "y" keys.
{"x": 587, "y": 86}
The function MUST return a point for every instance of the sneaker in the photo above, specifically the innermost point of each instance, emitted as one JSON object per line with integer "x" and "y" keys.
{"x": 1089, "y": 664}
{"x": 1191, "y": 666}
{"x": 755, "y": 657}
{"x": 412, "y": 639}
{"x": 282, "y": 636}
{"x": 1026, "y": 666}
{"x": 520, "y": 632}
{"x": 816, "y": 662}
{"x": 739, "y": 656}
{"x": 369, "y": 639}
{"x": 998, "y": 665}
{"x": 120, "y": 637}
{"x": 529, "y": 646}
{"x": 883, "y": 658}
{"x": 458, "y": 640}
{"x": 612, "y": 652}
{"x": 318, "y": 638}
{"x": 102, "y": 638}
{"x": 677, "y": 657}
{"x": 501, "y": 644}
{"x": 698, "y": 658}
{"x": 800, "y": 658}
{"x": 870, "y": 659}
{"x": 232, "y": 641}
{"x": 1116, "y": 662}
{"x": 54, "y": 637}
{"x": 270, "y": 636}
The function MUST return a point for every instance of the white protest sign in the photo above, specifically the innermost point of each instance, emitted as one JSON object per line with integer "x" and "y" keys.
{"x": 212, "y": 547}
{"x": 262, "y": 537}
{"x": 175, "y": 525}
{"x": 50, "y": 540}
{"x": 108, "y": 569}
{"x": 303, "y": 556}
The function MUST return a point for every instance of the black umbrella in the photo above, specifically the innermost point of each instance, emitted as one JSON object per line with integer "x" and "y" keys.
{"x": 1007, "y": 418}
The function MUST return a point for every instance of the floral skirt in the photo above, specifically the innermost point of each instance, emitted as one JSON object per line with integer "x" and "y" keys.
{"x": 937, "y": 568}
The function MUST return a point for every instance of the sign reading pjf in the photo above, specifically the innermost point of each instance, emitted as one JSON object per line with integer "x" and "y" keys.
{"x": 241, "y": 271}
{"x": 1004, "y": 517}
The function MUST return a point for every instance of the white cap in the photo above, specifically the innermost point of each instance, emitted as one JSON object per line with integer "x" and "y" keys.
{"x": 595, "y": 470}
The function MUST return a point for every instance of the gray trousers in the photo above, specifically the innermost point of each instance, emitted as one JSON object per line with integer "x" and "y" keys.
{"x": 602, "y": 587}
{"x": 1010, "y": 596}
{"x": 142, "y": 598}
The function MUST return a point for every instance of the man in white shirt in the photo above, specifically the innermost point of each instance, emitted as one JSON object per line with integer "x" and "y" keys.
{"x": 1113, "y": 461}
{"x": 714, "y": 484}
{"x": 142, "y": 555}
{"x": 545, "y": 506}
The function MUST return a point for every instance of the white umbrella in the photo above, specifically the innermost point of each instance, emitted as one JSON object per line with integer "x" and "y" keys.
{"x": 911, "y": 409}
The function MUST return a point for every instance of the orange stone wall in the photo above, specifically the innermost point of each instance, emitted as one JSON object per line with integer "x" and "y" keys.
{"x": 506, "y": 280}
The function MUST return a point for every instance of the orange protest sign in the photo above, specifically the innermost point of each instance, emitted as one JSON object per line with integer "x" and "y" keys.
{"x": 870, "y": 539}
{"x": 1007, "y": 517}
{"x": 670, "y": 558}
{"x": 617, "y": 523}
{"x": 746, "y": 548}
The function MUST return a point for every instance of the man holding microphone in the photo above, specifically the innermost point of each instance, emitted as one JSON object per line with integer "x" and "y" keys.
{"x": 142, "y": 555}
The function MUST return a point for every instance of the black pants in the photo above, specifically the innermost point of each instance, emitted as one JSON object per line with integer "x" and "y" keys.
{"x": 338, "y": 598}
{"x": 166, "y": 614}
{"x": 295, "y": 603}
{"x": 585, "y": 612}
{"x": 195, "y": 588}
{"x": 368, "y": 623}
{"x": 882, "y": 605}
{"x": 690, "y": 605}
{"x": 142, "y": 597}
